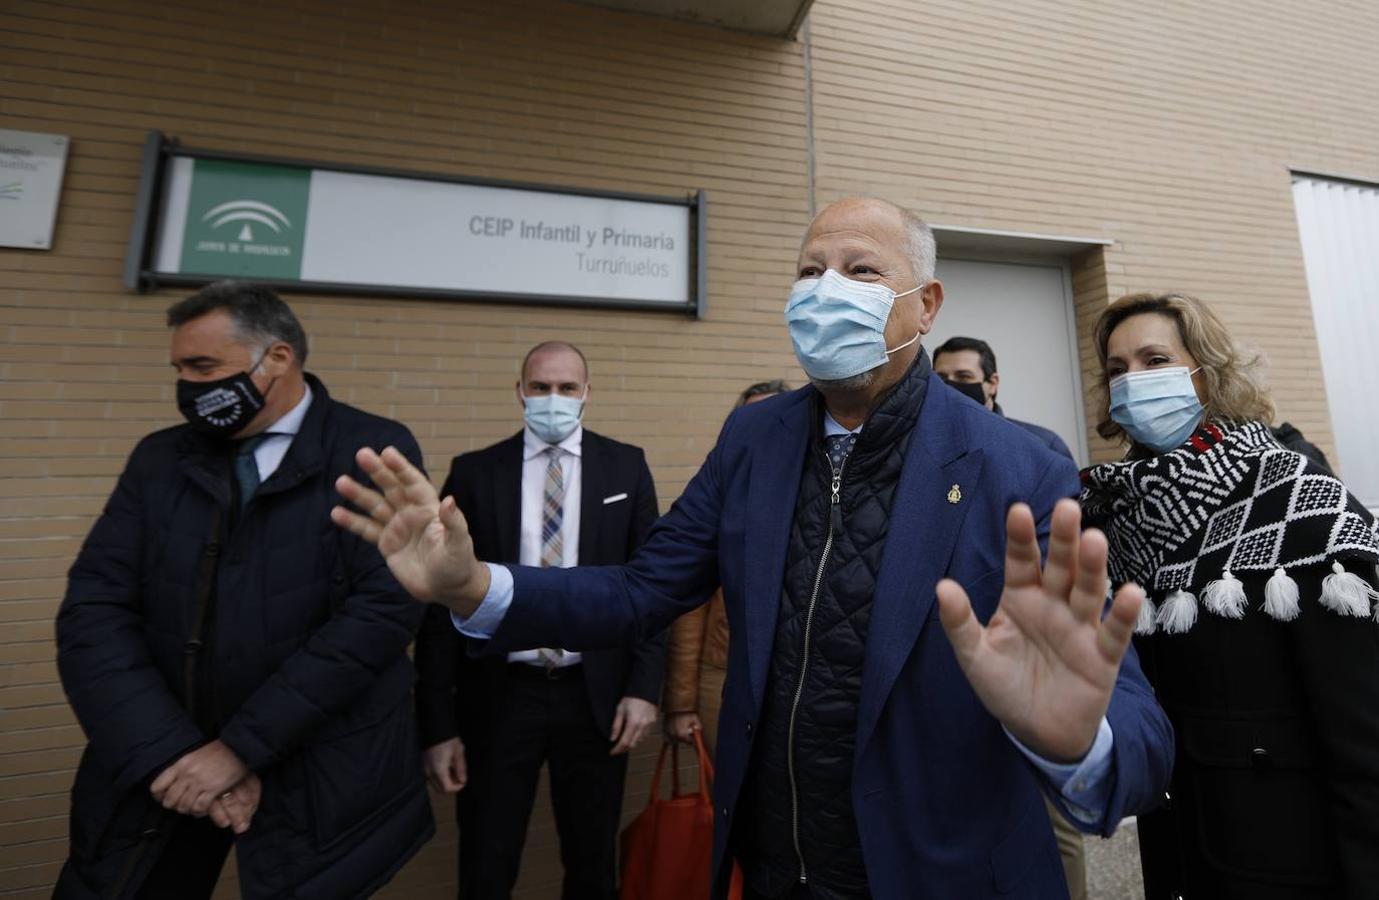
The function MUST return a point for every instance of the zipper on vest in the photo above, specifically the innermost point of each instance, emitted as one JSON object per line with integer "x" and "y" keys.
{"x": 833, "y": 510}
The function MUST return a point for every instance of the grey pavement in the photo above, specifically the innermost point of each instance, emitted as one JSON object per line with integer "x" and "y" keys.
{"x": 1113, "y": 865}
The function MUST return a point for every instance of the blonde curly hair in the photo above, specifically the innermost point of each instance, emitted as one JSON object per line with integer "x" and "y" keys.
{"x": 1234, "y": 393}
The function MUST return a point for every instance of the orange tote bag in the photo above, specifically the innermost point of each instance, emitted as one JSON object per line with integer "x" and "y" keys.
{"x": 667, "y": 851}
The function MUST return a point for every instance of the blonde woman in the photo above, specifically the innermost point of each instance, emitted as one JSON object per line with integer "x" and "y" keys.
{"x": 1260, "y": 639}
{"x": 697, "y": 660}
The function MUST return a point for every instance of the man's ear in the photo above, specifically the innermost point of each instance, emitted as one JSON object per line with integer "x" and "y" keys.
{"x": 277, "y": 359}
{"x": 995, "y": 382}
{"x": 930, "y": 299}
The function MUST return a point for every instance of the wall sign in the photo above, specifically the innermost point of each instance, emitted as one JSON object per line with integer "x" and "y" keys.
{"x": 31, "y": 167}
{"x": 303, "y": 226}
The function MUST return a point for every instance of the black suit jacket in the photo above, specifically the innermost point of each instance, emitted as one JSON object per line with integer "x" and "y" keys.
{"x": 460, "y": 695}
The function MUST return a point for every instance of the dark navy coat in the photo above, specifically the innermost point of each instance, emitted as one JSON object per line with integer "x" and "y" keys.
{"x": 945, "y": 804}
{"x": 302, "y": 671}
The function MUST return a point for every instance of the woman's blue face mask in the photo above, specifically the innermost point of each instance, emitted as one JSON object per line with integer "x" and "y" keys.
{"x": 838, "y": 325}
{"x": 1158, "y": 408}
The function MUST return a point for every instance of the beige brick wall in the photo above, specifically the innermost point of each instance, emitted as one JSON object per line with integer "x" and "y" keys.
{"x": 1169, "y": 130}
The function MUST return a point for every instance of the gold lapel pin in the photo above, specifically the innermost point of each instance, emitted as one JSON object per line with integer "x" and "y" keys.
{"x": 955, "y": 494}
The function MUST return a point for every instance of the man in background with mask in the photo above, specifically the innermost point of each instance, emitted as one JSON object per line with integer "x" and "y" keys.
{"x": 968, "y": 365}
{"x": 554, "y": 495}
{"x": 863, "y": 750}
{"x": 238, "y": 666}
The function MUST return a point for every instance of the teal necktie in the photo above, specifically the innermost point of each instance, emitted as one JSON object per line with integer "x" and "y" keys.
{"x": 247, "y": 468}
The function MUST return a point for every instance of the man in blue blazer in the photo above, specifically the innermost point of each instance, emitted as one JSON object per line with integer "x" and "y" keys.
{"x": 862, "y": 752}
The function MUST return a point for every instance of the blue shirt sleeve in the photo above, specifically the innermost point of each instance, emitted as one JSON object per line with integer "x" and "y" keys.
{"x": 1083, "y": 786}
{"x": 486, "y": 619}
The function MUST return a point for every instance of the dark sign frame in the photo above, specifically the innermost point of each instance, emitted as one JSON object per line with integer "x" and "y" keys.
{"x": 160, "y": 150}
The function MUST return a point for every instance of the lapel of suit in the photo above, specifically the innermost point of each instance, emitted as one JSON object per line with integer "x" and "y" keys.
{"x": 507, "y": 510}
{"x": 777, "y": 463}
{"x": 923, "y": 531}
{"x": 591, "y": 494}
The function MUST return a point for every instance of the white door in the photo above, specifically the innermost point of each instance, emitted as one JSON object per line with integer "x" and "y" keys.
{"x": 1338, "y": 223}
{"x": 1024, "y": 311}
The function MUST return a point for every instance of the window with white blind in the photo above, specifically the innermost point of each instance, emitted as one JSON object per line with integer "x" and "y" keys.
{"x": 1338, "y": 222}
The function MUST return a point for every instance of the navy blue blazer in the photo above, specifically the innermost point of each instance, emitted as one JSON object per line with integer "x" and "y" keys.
{"x": 1046, "y": 437}
{"x": 946, "y": 806}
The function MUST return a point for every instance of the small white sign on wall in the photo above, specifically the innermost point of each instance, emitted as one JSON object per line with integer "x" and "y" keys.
{"x": 31, "y": 167}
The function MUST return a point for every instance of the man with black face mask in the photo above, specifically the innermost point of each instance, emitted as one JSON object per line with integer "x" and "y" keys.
{"x": 968, "y": 365}
{"x": 239, "y": 666}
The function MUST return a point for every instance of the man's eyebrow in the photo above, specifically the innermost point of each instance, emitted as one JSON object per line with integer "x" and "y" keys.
{"x": 193, "y": 361}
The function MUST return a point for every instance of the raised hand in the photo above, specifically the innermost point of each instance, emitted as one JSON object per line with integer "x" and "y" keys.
{"x": 424, "y": 539}
{"x": 1046, "y": 663}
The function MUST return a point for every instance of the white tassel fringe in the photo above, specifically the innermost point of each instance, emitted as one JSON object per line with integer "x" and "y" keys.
{"x": 1145, "y": 623}
{"x": 1225, "y": 597}
{"x": 1281, "y": 597}
{"x": 1178, "y": 613}
{"x": 1347, "y": 593}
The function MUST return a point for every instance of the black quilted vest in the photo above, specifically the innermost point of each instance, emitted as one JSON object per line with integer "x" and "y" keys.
{"x": 796, "y": 818}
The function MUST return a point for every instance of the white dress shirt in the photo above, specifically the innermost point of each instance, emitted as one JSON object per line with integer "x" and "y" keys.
{"x": 534, "y": 462}
{"x": 279, "y": 436}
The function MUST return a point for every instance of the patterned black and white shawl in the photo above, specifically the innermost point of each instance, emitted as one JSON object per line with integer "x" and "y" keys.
{"x": 1231, "y": 499}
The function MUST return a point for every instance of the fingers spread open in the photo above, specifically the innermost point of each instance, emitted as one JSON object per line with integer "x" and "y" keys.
{"x": 955, "y": 612}
{"x": 1088, "y": 595}
{"x": 1064, "y": 528}
{"x": 354, "y": 523}
{"x": 1119, "y": 625}
{"x": 368, "y": 501}
{"x": 1022, "y": 548}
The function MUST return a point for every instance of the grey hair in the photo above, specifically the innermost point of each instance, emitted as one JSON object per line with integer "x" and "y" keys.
{"x": 260, "y": 316}
{"x": 920, "y": 246}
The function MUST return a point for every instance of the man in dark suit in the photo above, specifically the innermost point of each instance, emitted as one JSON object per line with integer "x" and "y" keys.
{"x": 555, "y": 495}
{"x": 969, "y": 366}
{"x": 231, "y": 662}
{"x": 863, "y": 751}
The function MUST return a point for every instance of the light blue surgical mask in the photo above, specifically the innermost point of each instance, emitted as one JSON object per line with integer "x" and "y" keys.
{"x": 1158, "y": 408}
{"x": 838, "y": 325}
{"x": 553, "y": 417}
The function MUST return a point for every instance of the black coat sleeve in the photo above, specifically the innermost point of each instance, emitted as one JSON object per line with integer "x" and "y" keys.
{"x": 439, "y": 648}
{"x": 648, "y": 669}
{"x": 1338, "y": 659}
{"x": 366, "y": 634}
{"x": 134, "y": 721}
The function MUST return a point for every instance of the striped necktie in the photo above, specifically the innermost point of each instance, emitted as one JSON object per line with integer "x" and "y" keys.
{"x": 552, "y": 540}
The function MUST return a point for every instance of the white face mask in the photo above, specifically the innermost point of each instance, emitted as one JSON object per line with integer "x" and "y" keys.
{"x": 553, "y": 417}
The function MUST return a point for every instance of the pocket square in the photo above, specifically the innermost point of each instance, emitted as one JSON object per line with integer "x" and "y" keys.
{"x": 614, "y": 499}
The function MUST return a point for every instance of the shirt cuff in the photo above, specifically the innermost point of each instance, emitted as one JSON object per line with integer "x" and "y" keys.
{"x": 1083, "y": 786}
{"x": 486, "y": 619}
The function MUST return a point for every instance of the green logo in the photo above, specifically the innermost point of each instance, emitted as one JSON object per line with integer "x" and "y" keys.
{"x": 247, "y": 220}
